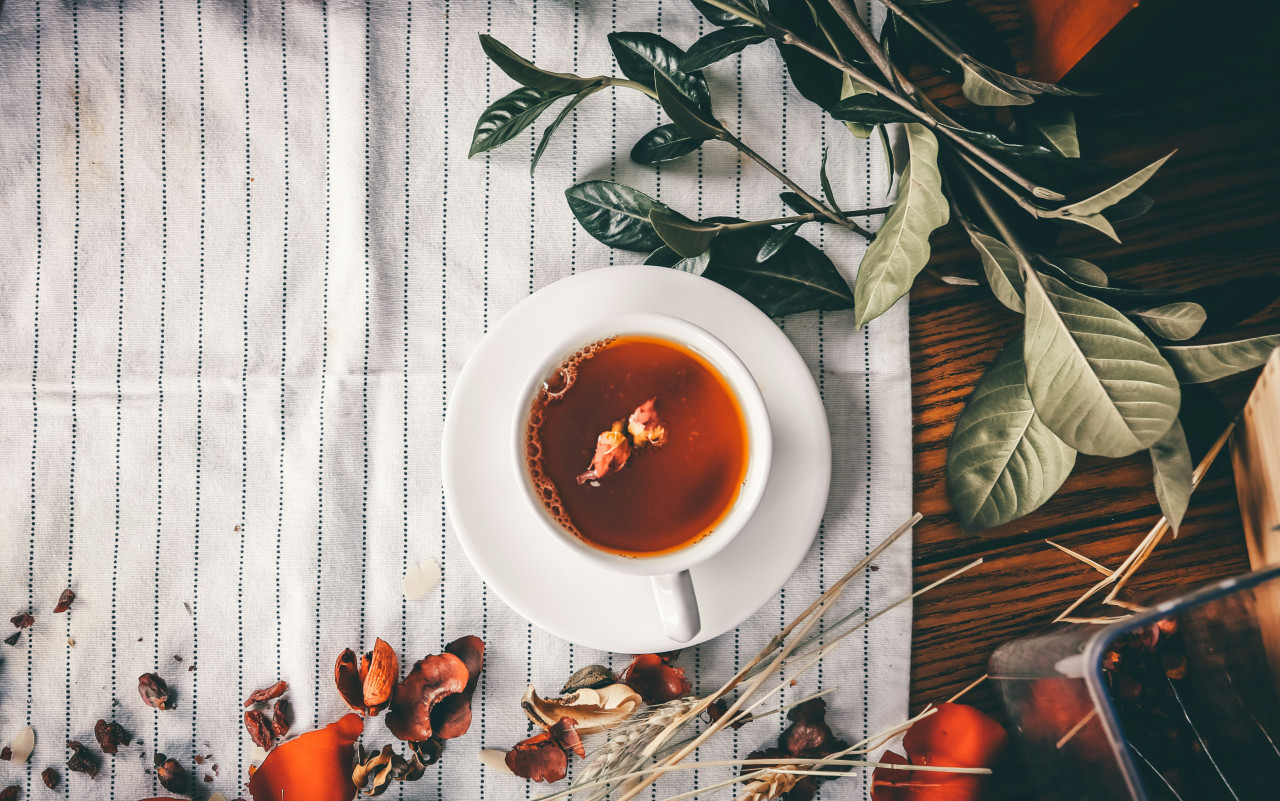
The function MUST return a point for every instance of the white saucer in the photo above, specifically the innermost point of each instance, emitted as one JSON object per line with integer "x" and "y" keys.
{"x": 508, "y": 546}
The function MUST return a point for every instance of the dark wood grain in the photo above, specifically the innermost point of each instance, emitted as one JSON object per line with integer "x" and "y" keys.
{"x": 1216, "y": 216}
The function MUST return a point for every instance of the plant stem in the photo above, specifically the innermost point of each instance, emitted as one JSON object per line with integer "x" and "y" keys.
{"x": 864, "y": 36}
{"x": 935, "y": 38}
{"x": 623, "y": 82}
{"x": 793, "y": 186}
{"x": 775, "y": 221}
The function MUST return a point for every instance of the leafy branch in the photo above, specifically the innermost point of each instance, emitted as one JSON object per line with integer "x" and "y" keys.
{"x": 1098, "y": 367}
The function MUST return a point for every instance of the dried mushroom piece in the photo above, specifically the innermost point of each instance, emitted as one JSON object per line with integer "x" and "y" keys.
{"x": 431, "y": 679}
{"x": 368, "y": 688}
{"x": 645, "y": 427}
{"x": 565, "y": 732}
{"x": 82, "y": 759}
{"x": 451, "y": 717}
{"x": 154, "y": 691}
{"x": 656, "y": 679}
{"x": 594, "y": 710}
{"x": 612, "y": 452}
{"x": 539, "y": 758}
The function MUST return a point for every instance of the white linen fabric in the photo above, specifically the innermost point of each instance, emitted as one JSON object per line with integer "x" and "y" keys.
{"x": 243, "y": 256}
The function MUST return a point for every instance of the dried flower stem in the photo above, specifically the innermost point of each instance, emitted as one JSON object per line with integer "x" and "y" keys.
{"x": 1074, "y": 730}
{"x": 969, "y": 687}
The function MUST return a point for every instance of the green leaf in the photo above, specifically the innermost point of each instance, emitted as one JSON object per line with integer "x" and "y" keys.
{"x": 718, "y": 16}
{"x": 827, "y": 191}
{"x": 640, "y": 54}
{"x": 848, "y": 88}
{"x": 1001, "y": 268}
{"x": 817, "y": 81}
{"x": 615, "y": 214}
{"x": 1056, "y": 124}
{"x": 1177, "y": 321}
{"x": 887, "y": 147}
{"x": 869, "y": 109}
{"x": 663, "y": 257}
{"x": 666, "y": 257}
{"x": 1096, "y": 380}
{"x": 990, "y": 87}
{"x": 1036, "y": 161}
{"x": 686, "y": 237}
{"x": 508, "y": 116}
{"x": 691, "y": 120}
{"x": 1097, "y": 222}
{"x": 900, "y": 249}
{"x": 1132, "y": 207}
{"x": 777, "y": 241}
{"x": 719, "y": 45}
{"x": 799, "y": 205}
{"x": 798, "y": 278}
{"x": 1171, "y": 466}
{"x": 551, "y": 129}
{"x": 526, "y": 73}
{"x": 1196, "y": 364}
{"x": 664, "y": 143}
{"x": 1112, "y": 195}
{"x": 1083, "y": 271}
{"x": 1003, "y": 461}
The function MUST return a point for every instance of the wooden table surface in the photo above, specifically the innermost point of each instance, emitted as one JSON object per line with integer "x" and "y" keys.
{"x": 1216, "y": 216}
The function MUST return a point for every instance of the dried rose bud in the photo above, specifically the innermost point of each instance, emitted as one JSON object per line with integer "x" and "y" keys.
{"x": 82, "y": 759}
{"x": 612, "y": 451}
{"x": 110, "y": 736}
{"x": 266, "y": 694}
{"x": 155, "y": 693}
{"x": 255, "y": 720}
{"x": 64, "y": 601}
{"x": 10, "y": 793}
{"x": 645, "y": 426}
{"x": 22, "y": 621}
{"x": 12, "y": 639}
{"x": 173, "y": 777}
{"x": 281, "y": 718}
{"x": 50, "y": 778}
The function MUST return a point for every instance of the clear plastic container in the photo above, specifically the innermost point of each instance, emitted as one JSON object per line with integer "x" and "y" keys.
{"x": 1180, "y": 702}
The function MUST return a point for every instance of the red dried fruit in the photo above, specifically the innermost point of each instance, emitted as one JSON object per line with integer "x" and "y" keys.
{"x": 266, "y": 694}
{"x": 809, "y": 735}
{"x": 368, "y": 688}
{"x": 155, "y": 693}
{"x": 22, "y": 621}
{"x": 430, "y": 680}
{"x": 110, "y": 736}
{"x": 82, "y": 759}
{"x": 10, "y": 793}
{"x": 281, "y": 717}
{"x": 173, "y": 777}
{"x": 451, "y": 717}
{"x": 315, "y": 766}
{"x": 539, "y": 758}
{"x": 565, "y": 732}
{"x": 50, "y": 778}
{"x": 645, "y": 427}
{"x": 6, "y": 754}
{"x": 612, "y": 452}
{"x": 64, "y": 601}
{"x": 656, "y": 679}
{"x": 956, "y": 736}
{"x": 896, "y": 784}
{"x": 255, "y": 720}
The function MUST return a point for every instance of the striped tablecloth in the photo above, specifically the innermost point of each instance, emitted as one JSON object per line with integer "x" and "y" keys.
{"x": 243, "y": 255}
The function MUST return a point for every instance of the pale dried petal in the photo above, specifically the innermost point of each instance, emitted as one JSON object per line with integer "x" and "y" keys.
{"x": 595, "y": 710}
{"x": 421, "y": 579}
{"x": 22, "y": 745}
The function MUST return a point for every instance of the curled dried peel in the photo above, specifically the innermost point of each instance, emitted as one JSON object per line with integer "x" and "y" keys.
{"x": 378, "y": 672}
{"x": 594, "y": 710}
{"x": 316, "y": 766}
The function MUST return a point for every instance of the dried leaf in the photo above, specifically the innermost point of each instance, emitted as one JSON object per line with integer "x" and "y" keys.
{"x": 1197, "y": 364}
{"x": 1171, "y": 466}
{"x": 1176, "y": 321}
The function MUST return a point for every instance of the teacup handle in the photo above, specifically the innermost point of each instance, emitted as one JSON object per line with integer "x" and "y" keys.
{"x": 677, "y": 605}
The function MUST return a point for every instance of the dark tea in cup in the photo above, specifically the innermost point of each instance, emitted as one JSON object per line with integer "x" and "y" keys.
{"x": 636, "y": 445}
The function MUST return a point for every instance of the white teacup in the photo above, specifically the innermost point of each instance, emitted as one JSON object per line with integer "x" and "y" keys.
{"x": 668, "y": 571}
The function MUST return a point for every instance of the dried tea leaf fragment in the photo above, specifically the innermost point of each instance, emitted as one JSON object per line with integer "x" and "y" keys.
{"x": 22, "y": 621}
{"x": 50, "y": 777}
{"x": 266, "y": 694}
{"x": 64, "y": 601}
{"x": 154, "y": 691}
{"x": 12, "y": 639}
{"x": 110, "y": 736}
{"x": 82, "y": 759}
{"x": 372, "y": 771}
{"x": 281, "y": 717}
{"x": 259, "y": 726}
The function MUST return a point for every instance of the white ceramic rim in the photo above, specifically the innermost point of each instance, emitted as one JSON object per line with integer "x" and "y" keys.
{"x": 754, "y": 412}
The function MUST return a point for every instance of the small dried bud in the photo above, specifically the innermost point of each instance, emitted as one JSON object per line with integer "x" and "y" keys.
{"x": 22, "y": 621}
{"x": 82, "y": 759}
{"x": 10, "y": 793}
{"x": 255, "y": 720}
{"x": 266, "y": 694}
{"x": 50, "y": 778}
{"x": 173, "y": 777}
{"x": 110, "y": 736}
{"x": 281, "y": 718}
{"x": 64, "y": 601}
{"x": 155, "y": 693}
